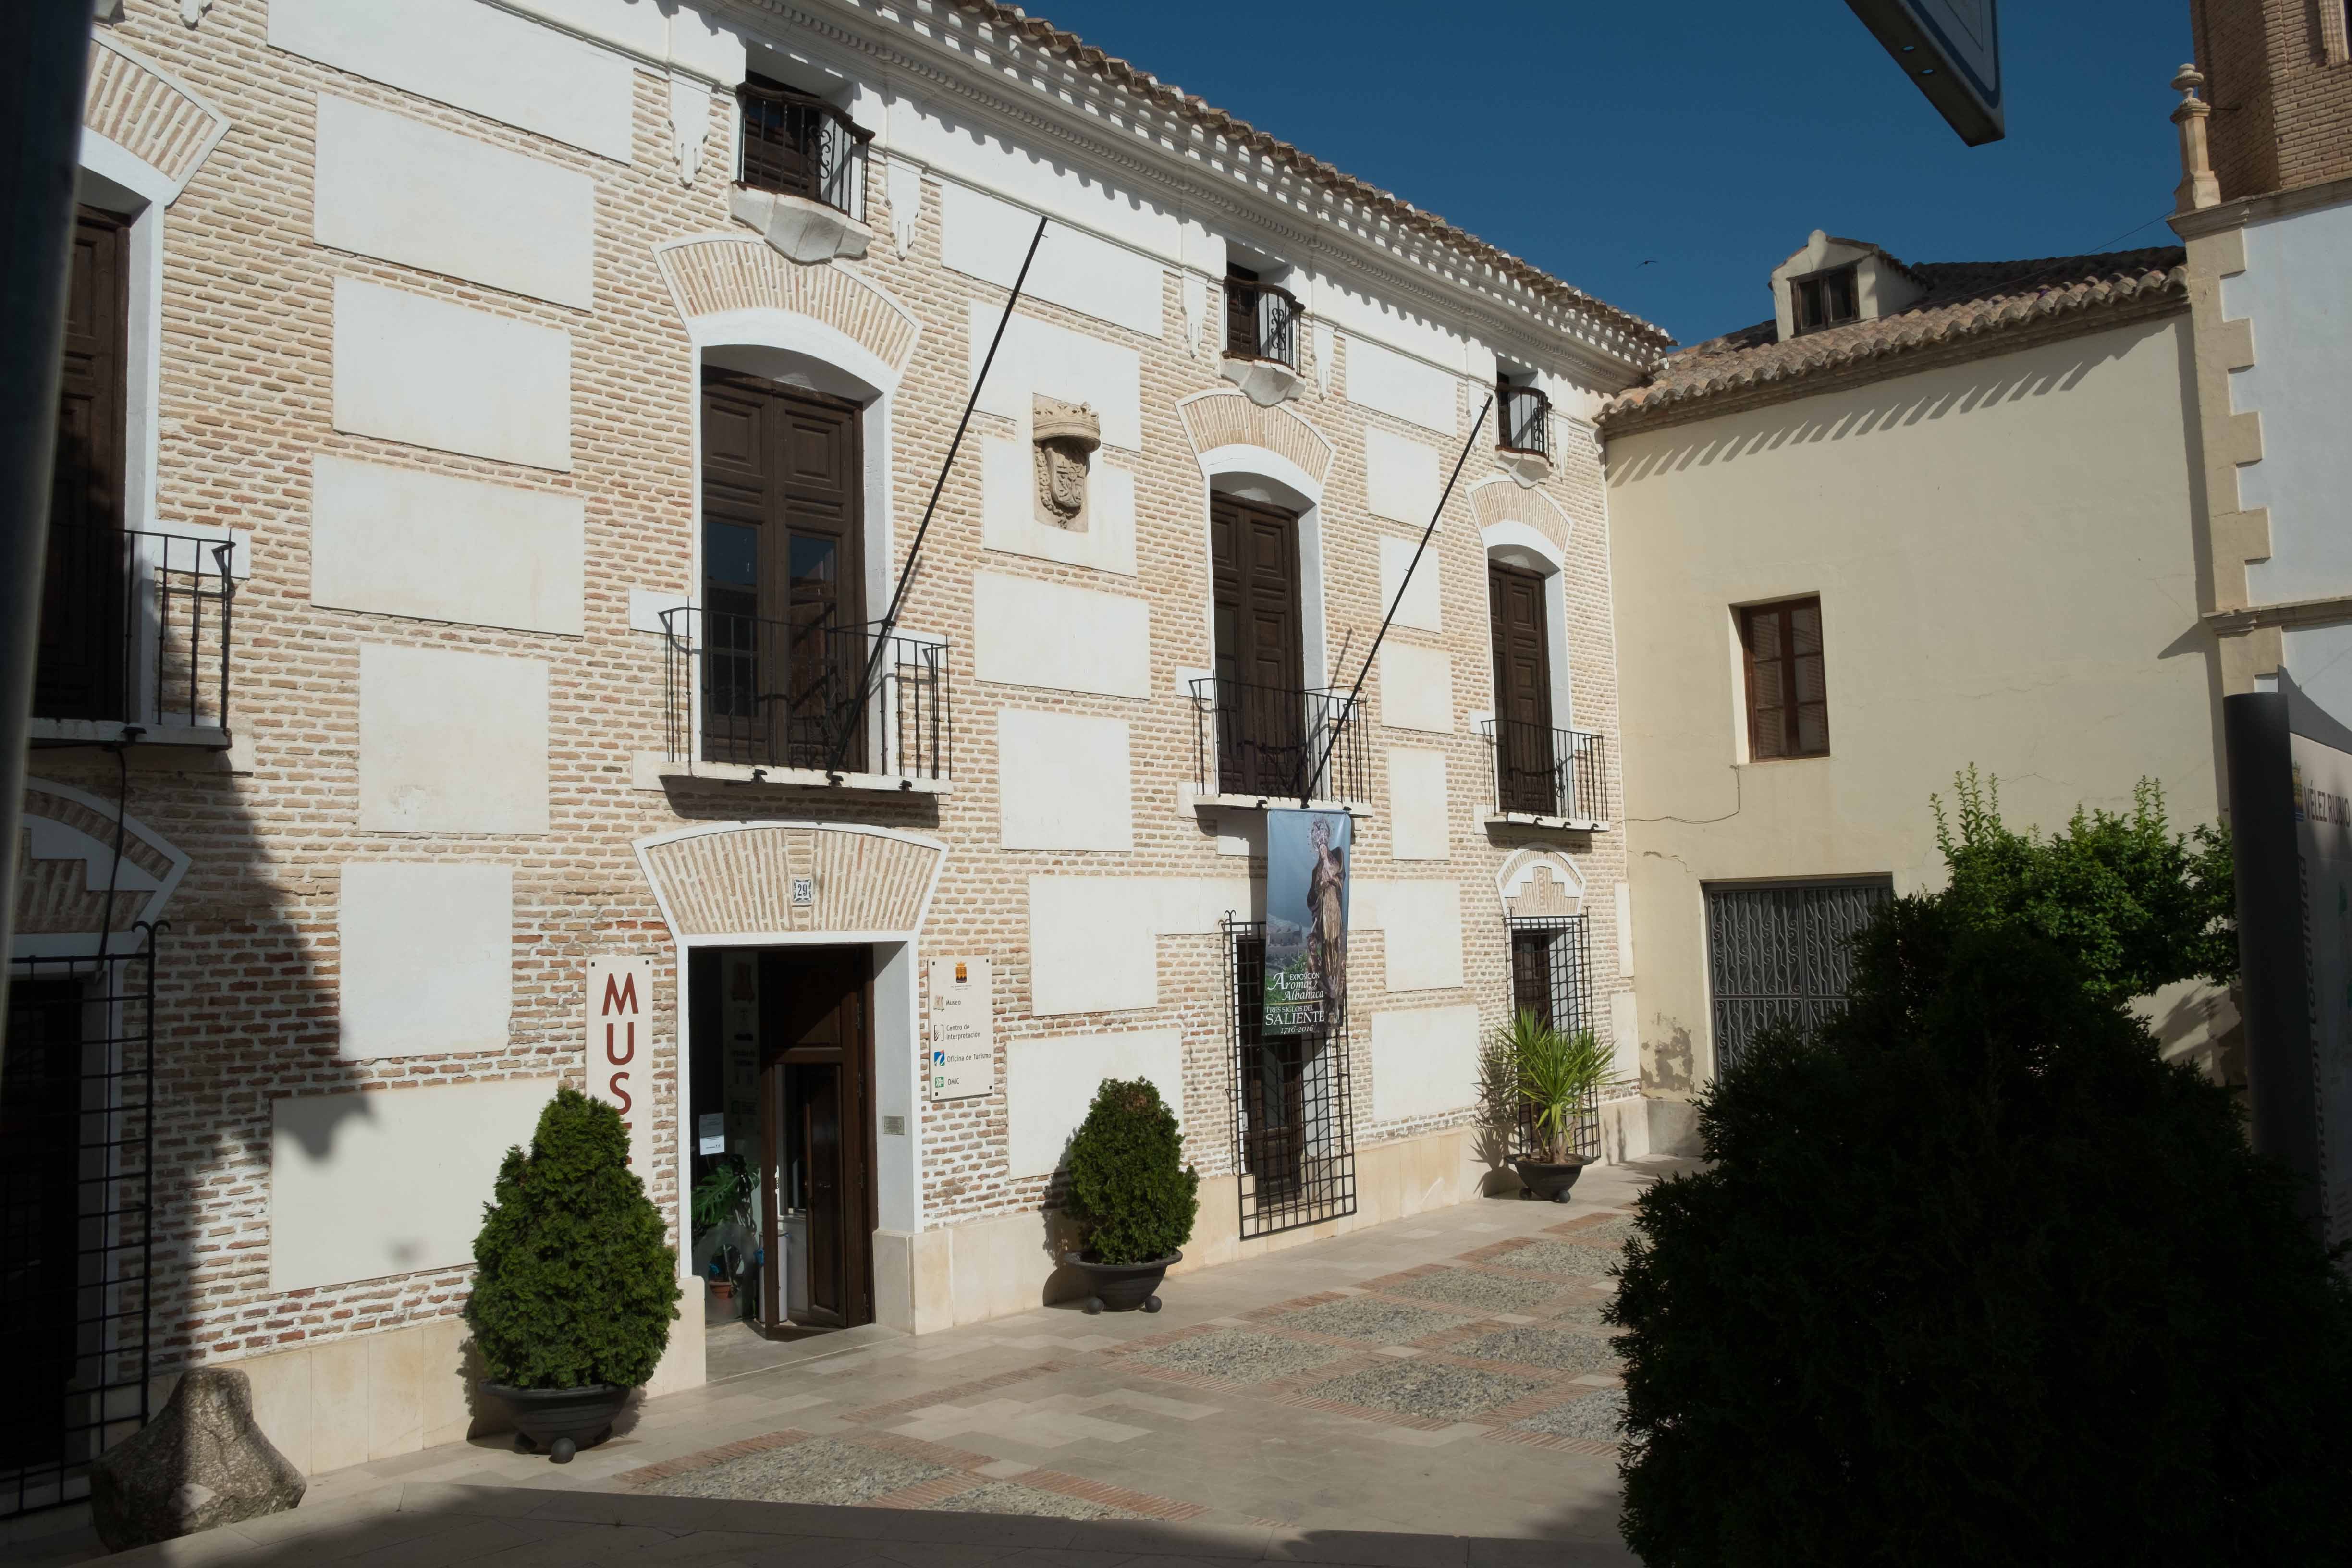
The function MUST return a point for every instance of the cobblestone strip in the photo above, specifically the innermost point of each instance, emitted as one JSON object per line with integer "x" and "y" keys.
{"x": 645, "y": 1475}
{"x": 1519, "y": 1436}
{"x": 1109, "y": 1496}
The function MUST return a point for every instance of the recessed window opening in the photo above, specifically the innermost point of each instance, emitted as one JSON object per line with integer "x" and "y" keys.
{"x": 1262, "y": 318}
{"x": 797, "y": 145}
{"x": 1787, "y": 699}
{"x": 1522, "y": 413}
{"x": 1827, "y": 298}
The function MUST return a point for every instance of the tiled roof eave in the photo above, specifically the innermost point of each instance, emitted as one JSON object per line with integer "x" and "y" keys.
{"x": 1744, "y": 382}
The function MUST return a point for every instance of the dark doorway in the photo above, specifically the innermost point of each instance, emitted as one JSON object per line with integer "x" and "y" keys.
{"x": 1262, "y": 718}
{"x": 40, "y": 1194}
{"x": 86, "y": 575}
{"x": 1525, "y": 757}
{"x": 783, "y": 633}
{"x": 816, "y": 1115}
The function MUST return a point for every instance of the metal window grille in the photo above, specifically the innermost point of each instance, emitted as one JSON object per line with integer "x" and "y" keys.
{"x": 1523, "y": 419}
{"x": 802, "y": 146}
{"x": 1782, "y": 954}
{"x": 76, "y": 1224}
{"x": 1551, "y": 976}
{"x": 1293, "y": 1102}
{"x": 781, "y": 694}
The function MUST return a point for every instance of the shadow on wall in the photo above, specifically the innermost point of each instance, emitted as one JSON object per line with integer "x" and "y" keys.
{"x": 1838, "y": 414}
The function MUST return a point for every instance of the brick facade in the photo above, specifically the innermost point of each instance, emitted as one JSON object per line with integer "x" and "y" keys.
{"x": 2279, "y": 76}
{"x": 250, "y": 967}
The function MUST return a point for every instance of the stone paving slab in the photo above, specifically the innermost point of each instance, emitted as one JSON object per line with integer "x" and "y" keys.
{"x": 1422, "y": 1393}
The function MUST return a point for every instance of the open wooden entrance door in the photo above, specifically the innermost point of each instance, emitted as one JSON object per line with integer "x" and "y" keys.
{"x": 816, "y": 1126}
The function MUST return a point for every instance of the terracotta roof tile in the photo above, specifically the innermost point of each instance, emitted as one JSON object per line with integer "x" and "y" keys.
{"x": 1648, "y": 338}
{"x": 1964, "y": 300}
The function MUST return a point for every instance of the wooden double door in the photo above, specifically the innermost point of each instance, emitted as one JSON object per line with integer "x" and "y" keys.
{"x": 816, "y": 1130}
{"x": 783, "y": 573}
{"x": 1526, "y": 759}
{"x": 1264, "y": 725}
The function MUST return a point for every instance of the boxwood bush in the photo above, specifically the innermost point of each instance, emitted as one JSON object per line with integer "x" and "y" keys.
{"x": 1131, "y": 1191}
{"x": 573, "y": 1284}
{"x": 1974, "y": 1276}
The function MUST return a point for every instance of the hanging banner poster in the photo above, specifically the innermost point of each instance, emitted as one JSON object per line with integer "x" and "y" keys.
{"x": 620, "y": 1045}
{"x": 964, "y": 1028}
{"x": 1307, "y": 857}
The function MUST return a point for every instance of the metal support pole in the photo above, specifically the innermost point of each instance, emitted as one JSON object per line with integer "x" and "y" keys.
{"x": 914, "y": 552}
{"x": 41, "y": 82}
{"x": 1349, "y": 713}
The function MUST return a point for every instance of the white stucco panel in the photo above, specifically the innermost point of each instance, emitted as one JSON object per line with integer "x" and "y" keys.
{"x": 1050, "y": 1083}
{"x": 425, "y": 956}
{"x": 986, "y": 239}
{"x": 1094, "y": 941}
{"x": 1037, "y": 356}
{"x": 1401, "y": 477}
{"x": 1059, "y": 639}
{"x": 383, "y": 538}
{"x": 1416, "y": 687}
{"x": 475, "y": 56}
{"x": 364, "y": 1185}
{"x": 1008, "y": 511}
{"x": 1421, "y": 925}
{"x": 1063, "y": 781}
{"x": 432, "y": 374}
{"x": 1418, "y": 608}
{"x": 1418, "y": 816}
{"x": 1379, "y": 378}
{"x": 451, "y": 741}
{"x": 390, "y": 186}
{"x": 1424, "y": 1062}
{"x": 2297, "y": 280}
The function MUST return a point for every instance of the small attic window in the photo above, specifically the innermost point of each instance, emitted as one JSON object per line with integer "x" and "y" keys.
{"x": 1824, "y": 298}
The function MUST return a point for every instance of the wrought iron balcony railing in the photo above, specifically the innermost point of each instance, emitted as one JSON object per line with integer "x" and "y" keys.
{"x": 1266, "y": 742}
{"x": 1523, "y": 417}
{"x": 136, "y": 629}
{"x": 802, "y": 146}
{"x": 1262, "y": 321}
{"x": 782, "y": 694}
{"x": 1543, "y": 772}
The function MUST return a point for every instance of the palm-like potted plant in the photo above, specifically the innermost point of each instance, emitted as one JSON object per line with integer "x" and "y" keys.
{"x": 574, "y": 1287}
{"x": 723, "y": 1198}
{"x": 1555, "y": 1071}
{"x": 1131, "y": 1193}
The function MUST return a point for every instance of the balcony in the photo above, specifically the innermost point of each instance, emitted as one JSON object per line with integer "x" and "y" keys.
{"x": 1263, "y": 325}
{"x": 135, "y": 639}
{"x": 1265, "y": 745}
{"x": 800, "y": 179}
{"x": 748, "y": 699}
{"x": 1546, "y": 777}
{"x": 1523, "y": 432}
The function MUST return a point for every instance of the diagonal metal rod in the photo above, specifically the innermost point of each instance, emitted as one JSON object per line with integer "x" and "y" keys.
{"x": 1347, "y": 715}
{"x": 914, "y": 552}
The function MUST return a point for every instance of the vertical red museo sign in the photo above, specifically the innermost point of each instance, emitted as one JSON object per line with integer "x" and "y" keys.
{"x": 620, "y": 1045}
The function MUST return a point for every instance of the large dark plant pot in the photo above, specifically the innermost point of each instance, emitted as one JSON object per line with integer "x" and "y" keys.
{"x": 1543, "y": 1179}
{"x": 563, "y": 1421}
{"x": 1123, "y": 1286}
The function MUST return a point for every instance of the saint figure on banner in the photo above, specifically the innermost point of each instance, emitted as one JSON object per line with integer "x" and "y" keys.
{"x": 1327, "y": 914}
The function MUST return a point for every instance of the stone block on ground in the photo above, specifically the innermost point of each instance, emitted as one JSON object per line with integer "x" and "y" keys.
{"x": 202, "y": 1462}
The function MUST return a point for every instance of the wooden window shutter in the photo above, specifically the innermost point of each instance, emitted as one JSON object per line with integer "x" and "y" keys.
{"x": 1788, "y": 696}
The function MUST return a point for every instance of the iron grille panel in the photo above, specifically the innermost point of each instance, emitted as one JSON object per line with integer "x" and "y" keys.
{"x": 76, "y": 1227}
{"x": 1551, "y": 976}
{"x": 1782, "y": 952}
{"x": 1293, "y": 1103}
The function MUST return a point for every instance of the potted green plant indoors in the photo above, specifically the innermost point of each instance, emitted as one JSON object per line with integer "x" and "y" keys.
{"x": 1555, "y": 1071}
{"x": 573, "y": 1286}
{"x": 723, "y": 1197}
{"x": 1131, "y": 1193}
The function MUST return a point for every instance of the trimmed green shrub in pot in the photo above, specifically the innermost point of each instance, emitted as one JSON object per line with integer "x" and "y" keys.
{"x": 574, "y": 1286}
{"x": 1131, "y": 1193}
{"x": 1557, "y": 1071}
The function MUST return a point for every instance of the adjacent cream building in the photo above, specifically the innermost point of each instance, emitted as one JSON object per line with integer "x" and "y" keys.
{"x": 1927, "y": 516}
{"x": 495, "y": 437}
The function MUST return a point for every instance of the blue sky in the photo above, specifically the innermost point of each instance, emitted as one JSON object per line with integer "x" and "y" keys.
{"x": 1706, "y": 138}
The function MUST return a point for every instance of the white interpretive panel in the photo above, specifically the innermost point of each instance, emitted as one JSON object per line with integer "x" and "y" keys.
{"x": 964, "y": 1028}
